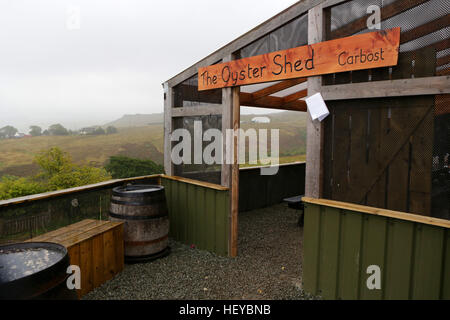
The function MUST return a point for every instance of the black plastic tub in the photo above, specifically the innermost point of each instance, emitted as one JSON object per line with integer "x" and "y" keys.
{"x": 34, "y": 270}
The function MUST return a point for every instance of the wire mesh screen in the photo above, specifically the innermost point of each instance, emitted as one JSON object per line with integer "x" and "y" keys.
{"x": 197, "y": 168}
{"x": 441, "y": 154}
{"x": 425, "y": 27}
{"x": 291, "y": 35}
{"x": 378, "y": 152}
{"x": 393, "y": 152}
{"x": 23, "y": 222}
{"x": 186, "y": 94}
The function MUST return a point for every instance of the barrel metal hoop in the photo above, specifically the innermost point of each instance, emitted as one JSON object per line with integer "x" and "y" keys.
{"x": 148, "y": 201}
{"x": 145, "y": 243}
{"x": 137, "y": 218}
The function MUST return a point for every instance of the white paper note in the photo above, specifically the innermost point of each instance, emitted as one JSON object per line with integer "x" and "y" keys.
{"x": 317, "y": 107}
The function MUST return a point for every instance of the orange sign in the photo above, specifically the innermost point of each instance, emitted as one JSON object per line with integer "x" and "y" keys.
{"x": 364, "y": 51}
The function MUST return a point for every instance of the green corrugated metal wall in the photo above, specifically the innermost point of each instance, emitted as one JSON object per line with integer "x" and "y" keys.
{"x": 339, "y": 245}
{"x": 198, "y": 215}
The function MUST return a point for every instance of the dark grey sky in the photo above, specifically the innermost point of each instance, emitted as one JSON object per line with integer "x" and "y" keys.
{"x": 114, "y": 61}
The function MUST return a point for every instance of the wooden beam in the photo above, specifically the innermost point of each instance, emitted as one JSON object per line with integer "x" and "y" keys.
{"x": 197, "y": 111}
{"x": 444, "y": 72}
{"x": 330, "y": 3}
{"x": 443, "y": 61}
{"x": 314, "y": 129}
{"x": 425, "y": 29}
{"x": 388, "y": 88}
{"x": 379, "y": 212}
{"x": 386, "y": 12}
{"x": 280, "y": 86}
{"x": 271, "y": 102}
{"x": 168, "y": 126}
{"x": 195, "y": 182}
{"x": 295, "y": 96}
{"x": 235, "y": 173}
{"x": 439, "y": 46}
{"x": 227, "y": 123}
{"x": 266, "y": 27}
{"x": 442, "y": 105}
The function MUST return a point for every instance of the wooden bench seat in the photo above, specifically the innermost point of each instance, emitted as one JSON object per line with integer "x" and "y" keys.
{"x": 95, "y": 246}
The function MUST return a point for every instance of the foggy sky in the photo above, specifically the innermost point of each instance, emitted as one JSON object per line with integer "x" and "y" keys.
{"x": 114, "y": 63}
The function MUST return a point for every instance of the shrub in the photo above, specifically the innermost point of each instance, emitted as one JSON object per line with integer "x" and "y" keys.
{"x": 121, "y": 167}
{"x": 13, "y": 187}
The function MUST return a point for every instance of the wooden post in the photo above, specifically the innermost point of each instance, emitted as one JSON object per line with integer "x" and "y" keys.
{"x": 227, "y": 123}
{"x": 235, "y": 172}
{"x": 168, "y": 98}
{"x": 230, "y": 172}
{"x": 314, "y": 139}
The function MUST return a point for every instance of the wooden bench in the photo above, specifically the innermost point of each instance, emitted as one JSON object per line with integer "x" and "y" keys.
{"x": 95, "y": 246}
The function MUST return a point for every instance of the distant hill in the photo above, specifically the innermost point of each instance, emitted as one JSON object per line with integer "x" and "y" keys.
{"x": 141, "y": 120}
{"x": 294, "y": 117}
{"x": 140, "y": 136}
{"x": 137, "y": 120}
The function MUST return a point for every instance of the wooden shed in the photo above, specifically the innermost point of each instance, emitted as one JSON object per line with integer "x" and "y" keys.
{"x": 376, "y": 181}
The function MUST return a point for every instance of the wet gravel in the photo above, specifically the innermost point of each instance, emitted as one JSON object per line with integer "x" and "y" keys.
{"x": 268, "y": 266}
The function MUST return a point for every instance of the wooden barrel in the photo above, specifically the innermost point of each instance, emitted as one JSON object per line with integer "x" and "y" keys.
{"x": 34, "y": 270}
{"x": 143, "y": 209}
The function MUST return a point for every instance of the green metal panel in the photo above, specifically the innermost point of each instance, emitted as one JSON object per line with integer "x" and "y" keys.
{"x": 190, "y": 208}
{"x": 182, "y": 212}
{"x": 372, "y": 253}
{"x": 210, "y": 211}
{"x": 399, "y": 259}
{"x": 414, "y": 257}
{"x": 445, "y": 292}
{"x": 329, "y": 253}
{"x": 222, "y": 223}
{"x": 350, "y": 254}
{"x": 198, "y": 215}
{"x": 311, "y": 248}
{"x": 429, "y": 244}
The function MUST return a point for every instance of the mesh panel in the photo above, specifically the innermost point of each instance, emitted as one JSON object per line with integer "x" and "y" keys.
{"x": 186, "y": 94}
{"x": 291, "y": 35}
{"x": 393, "y": 152}
{"x": 19, "y": 223}
{"x": 202, "y": 172}
{"x": 23, "y": 221}
{"x": 378, "y": 152}
{"x": 441, "y": 153}
{"x": 424, "y": 25}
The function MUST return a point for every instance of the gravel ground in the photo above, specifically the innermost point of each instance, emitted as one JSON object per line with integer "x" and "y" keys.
{"x": 268, "y": 266}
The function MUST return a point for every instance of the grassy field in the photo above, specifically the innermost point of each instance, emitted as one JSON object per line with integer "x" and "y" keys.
{"x": 16, "y": 155}
{"x": 143, "y": 142}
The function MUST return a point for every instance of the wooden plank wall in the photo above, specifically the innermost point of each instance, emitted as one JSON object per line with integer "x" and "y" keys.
{"x": 198, "y": 215}
{"x": 257, "y": 191}
{"x": 378, "y": 152}
{"x": 339, "y": 245}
